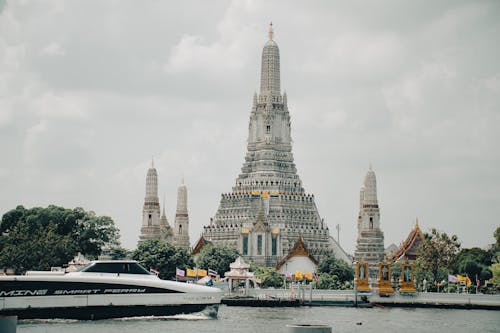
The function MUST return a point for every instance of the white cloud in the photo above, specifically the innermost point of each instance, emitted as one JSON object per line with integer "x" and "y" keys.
{"x": 53, "y": 49}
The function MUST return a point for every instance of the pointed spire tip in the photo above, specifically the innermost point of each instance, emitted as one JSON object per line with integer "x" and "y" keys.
{"x": 271, "y": 31}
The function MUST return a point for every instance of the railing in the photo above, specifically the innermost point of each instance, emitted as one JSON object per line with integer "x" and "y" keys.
{"x": 318, "y": 295}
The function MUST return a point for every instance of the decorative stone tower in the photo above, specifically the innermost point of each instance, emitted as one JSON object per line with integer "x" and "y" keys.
{"x": 181, "y": 224}
{"x": 151, "y": 210}
{"x": 268, "y": 210}
{"x": 370, "y": 242}
{"x": 166, "y": 232}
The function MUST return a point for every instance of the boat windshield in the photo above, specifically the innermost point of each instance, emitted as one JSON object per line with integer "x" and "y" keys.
{"x": 116, "y": 267}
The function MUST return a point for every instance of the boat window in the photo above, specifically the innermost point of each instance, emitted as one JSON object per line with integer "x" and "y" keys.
{"x": 116, "y": 267}
{"x": 107, "y": 267}
{"x": 137, "y": 269}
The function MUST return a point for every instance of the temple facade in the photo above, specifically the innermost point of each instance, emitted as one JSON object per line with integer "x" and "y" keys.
{"x": 268, "y": 210}
{"x": 370, "y": 241}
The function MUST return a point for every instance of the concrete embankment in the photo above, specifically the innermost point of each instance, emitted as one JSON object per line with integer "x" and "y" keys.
{"x": 346, "y": 298}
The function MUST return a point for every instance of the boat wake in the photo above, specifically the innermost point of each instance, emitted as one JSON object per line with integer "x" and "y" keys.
{"x": 47, "y": 321}
{"x": 190, "y": 316}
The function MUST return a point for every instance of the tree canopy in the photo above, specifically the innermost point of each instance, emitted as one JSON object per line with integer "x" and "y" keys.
{"x": 333, "y": 266}
{"x": 162, "y": 256}
{"x": 334, "y": 273}
{"x": 40, "y": 238}
{"x": 437, "y": 254}
{"x": 217, "y": 257}
{"x": 474, "y": 262}
{"x": 269, "y": 277}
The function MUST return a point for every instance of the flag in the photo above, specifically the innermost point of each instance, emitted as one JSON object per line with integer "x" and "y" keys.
{"x": 202, "y": 272}
{"x": 452, "y": 278}
{"x": 316, "y": 277}
{"x": 465, "y": 279}
{"x": 152, "y": 270}
{"x": 211, "y": 272}
{"x": 478, "y": 283}
{"x": 180, "y": 272}
{"x": 190, "y": 272}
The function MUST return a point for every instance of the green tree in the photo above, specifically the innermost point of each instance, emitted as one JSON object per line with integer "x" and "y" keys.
{"x": 39, "y": 238}
{"x": 475, "y": 254}
{"x": 217, "y": 257}
{"x": 495, "y": 248}
{"x": 495, "y": 268}
{"x": 396, "y": 271}
{"x": 336, "y": 267}
{"x": 327, "y": 281}
{"x": 163, "y": 257}
{"x": 269, "y": 277}
{"x": 118, "y": 252}
{"x": 437, "y": 254}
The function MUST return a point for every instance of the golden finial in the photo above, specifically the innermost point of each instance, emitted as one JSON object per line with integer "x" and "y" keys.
{"x": 271, "y": 31}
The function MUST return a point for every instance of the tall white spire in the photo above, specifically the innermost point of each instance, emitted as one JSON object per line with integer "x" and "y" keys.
{"x": 152, "y": 183}
{"x": 151, "y": 210}
{"x": 270, "y": 70}
{"x": 181, "y": 223}
{"x": 182, "y": 198}
{"x": 370, "y": 188}
{"x": 370, "y": 242}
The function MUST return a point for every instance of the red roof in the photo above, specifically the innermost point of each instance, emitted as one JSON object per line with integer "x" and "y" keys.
{"x": 409, "y": 247}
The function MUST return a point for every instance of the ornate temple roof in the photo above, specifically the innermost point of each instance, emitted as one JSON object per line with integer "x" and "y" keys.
{"x": 299, "y": 250}
{"x": 200, "y": 244}
{"x": 408, "y": 249}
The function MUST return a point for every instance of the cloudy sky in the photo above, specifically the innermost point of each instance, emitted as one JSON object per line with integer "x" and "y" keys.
{"x": 90, "y": 90}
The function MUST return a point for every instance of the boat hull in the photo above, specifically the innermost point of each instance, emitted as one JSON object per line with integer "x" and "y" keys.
{"x": 110, "y": 311}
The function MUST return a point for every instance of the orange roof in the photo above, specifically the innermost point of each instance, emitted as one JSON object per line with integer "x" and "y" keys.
{"x": 410, "y": 245}
{"x": 299, "y": 250}
{"x": 199, "y": 245}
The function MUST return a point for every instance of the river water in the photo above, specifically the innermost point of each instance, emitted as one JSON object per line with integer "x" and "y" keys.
{"x": 248, "y": 319}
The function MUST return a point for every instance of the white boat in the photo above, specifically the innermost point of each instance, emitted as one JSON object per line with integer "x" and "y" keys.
{"x": 103, "y": 289}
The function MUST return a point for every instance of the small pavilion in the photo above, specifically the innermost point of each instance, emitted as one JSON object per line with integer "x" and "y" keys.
{"x": 239, "y": 271}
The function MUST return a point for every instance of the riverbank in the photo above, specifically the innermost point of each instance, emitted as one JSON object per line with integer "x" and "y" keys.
{"x": 346, "y": 298}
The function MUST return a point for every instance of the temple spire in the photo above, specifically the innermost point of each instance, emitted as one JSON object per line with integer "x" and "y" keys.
{"x": 163, "y": 210}
{"x": 270, "y": 67}
{"x": 181, "y": 222}
{"x": 370, "y": 242}
{"x": 370, "y": 188}
{"x": 151, "y": 210}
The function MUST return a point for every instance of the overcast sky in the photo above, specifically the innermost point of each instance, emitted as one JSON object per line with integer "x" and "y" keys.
{"x": 90, "y": 90}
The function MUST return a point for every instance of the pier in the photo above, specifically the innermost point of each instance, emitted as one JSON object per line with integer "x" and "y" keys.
{"x": 317, "y": 297}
